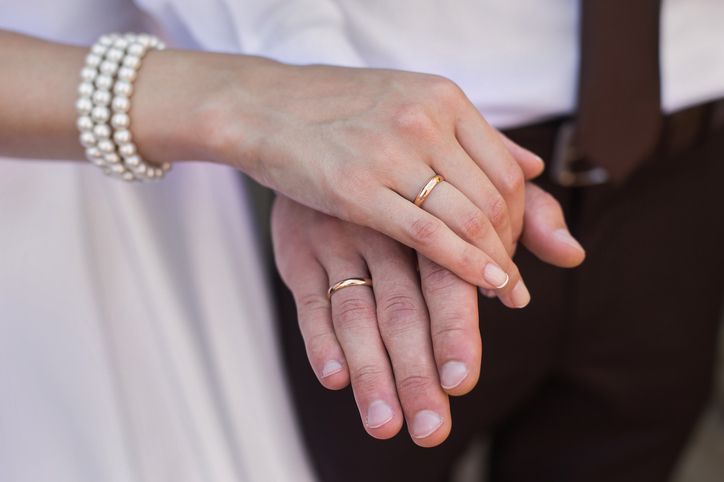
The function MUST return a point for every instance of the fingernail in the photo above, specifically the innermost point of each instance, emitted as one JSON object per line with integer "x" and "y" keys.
{"x": 425, "y": 423}
{"x": 495, "y": 276}
{"x": 330, "y": 368}
{"x": 565, "y": 237}
{"x": 453, "y": 374}
{"x": 378, "y": 414}
{"x": 487, "y": 293}
{"x": 519, "y": 295}
{"x": 539, "y": 158}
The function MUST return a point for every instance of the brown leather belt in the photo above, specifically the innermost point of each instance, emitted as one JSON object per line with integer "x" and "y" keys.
{"x": 683, "y": 130}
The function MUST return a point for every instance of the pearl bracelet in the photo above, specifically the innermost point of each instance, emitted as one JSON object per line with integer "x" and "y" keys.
{"x": 104, "y": 101}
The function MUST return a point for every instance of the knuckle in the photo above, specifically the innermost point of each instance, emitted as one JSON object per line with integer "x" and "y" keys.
{"x": 414, "y": 120}
{"x": 367, "y": 378}
{"x": 423, "y": 231}
{"x": 453, "y": 328}
{"x": 414, "y": 385}
{"x": 512, "y": 181}
{"x": 497, "y": 211}
{"x": 351, "y": 312}
{"x": 443, "y": 90}
{"x": 474, "y": 226}
{"x": 438, "y": 280}
{"x": 311, "y": 304}
{"x": 398, "y": 313}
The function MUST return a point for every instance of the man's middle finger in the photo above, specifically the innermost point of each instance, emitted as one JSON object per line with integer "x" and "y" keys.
{"x": 405, "y": 329}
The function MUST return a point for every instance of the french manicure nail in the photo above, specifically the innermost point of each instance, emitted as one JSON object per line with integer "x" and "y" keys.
{"x": 565, "y": 237}
{"x": 330, "y": 368}
{"x": 378, "y": 414}
{"x": 519, "y": 295}
{"x": 539, "y": 158}
{"x": 453, "y": 374}
{"x": 495, "y": 276}
{"x": 425, "y": 423}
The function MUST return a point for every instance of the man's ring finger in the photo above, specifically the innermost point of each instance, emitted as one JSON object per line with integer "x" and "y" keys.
{"x": 345, "y": 283}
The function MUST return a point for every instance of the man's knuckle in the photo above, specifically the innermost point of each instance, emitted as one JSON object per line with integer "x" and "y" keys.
{"x": 398, "y": 313}
{"x": 351, "y": 312}
{"x": 414, "y": 385}
{"x": 367, "y": 377}
{"x": 312, "y": 303}
{"x": 438, "y": 280}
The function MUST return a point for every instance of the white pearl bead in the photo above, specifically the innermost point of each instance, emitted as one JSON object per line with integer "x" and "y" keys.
{"x": 131, "y": 61}
{"x": 153, "y": 41}
{"x": 144, "y": 39}
{"x": 108, "y": 67}
{"x": 127, "y": 150}
{"x": 118, "y": 169}
{"x": 100, "y": 114}
{"x": 133, "y": 161}
{"x": 88, "y": 74}
{"x": 150, "y": 173}
{"x": 93, "y": 153}
{"x": 106, "y": 146}
{"x": 112, "y": 158}
{"x": 130, "y": 37}
{"x": 121, "y": 104}
{"x": 87, "y": 139}
{"x": 122, "y": 136}
{"x": 129, "y": 75}
{"x": 123, "y": 88}
{"x": 114, "y": 55}
{"x": 161, "y": 46}
{"x": 83, "y": 106}
{"x": 84, "y": 123}
{"x": 104, "y": 82}
{"x": 85, "y": 89}
{"x": 120, "y": 43}
{"x": 120, "y": 121}
{"x": 99, "y": 49}
{"x": 166, "y": 166}
{"x": 102, "y": 131}
{"x": 136, "y": 49}
{"x": 128, "y": 176}
{"x": 102, "y": 97}
{"x": 93, "y": 60}
{"x": 98, "y": 161}
{"x": 106, "y": 40}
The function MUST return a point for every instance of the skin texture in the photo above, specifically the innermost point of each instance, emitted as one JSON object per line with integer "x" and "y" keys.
{"x": 357, "y": 144}
{"x": 393, "y": 341}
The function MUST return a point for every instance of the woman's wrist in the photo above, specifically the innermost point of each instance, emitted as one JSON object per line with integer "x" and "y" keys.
{"x": 197, "y": 106}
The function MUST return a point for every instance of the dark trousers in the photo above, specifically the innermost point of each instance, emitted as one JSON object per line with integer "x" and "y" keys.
{"x": 602, "y": 376}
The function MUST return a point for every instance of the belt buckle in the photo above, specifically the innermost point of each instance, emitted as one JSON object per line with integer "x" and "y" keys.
{"x": 565, "y": 157}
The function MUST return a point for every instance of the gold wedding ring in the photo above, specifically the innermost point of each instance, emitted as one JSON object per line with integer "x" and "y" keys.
{"x": 425, "y": 191}
{"x": 345, "y": 283}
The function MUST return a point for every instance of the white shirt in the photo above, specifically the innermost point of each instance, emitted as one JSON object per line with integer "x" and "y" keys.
{"x": 517, "y": 60}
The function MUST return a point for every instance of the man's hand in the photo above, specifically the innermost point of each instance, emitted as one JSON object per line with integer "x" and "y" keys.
{"x": 413, "y": 339}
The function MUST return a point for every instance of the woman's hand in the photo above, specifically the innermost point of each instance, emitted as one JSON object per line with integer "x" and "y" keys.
{"x": 357, "y": 144}
{"x": 411, "y": 340}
